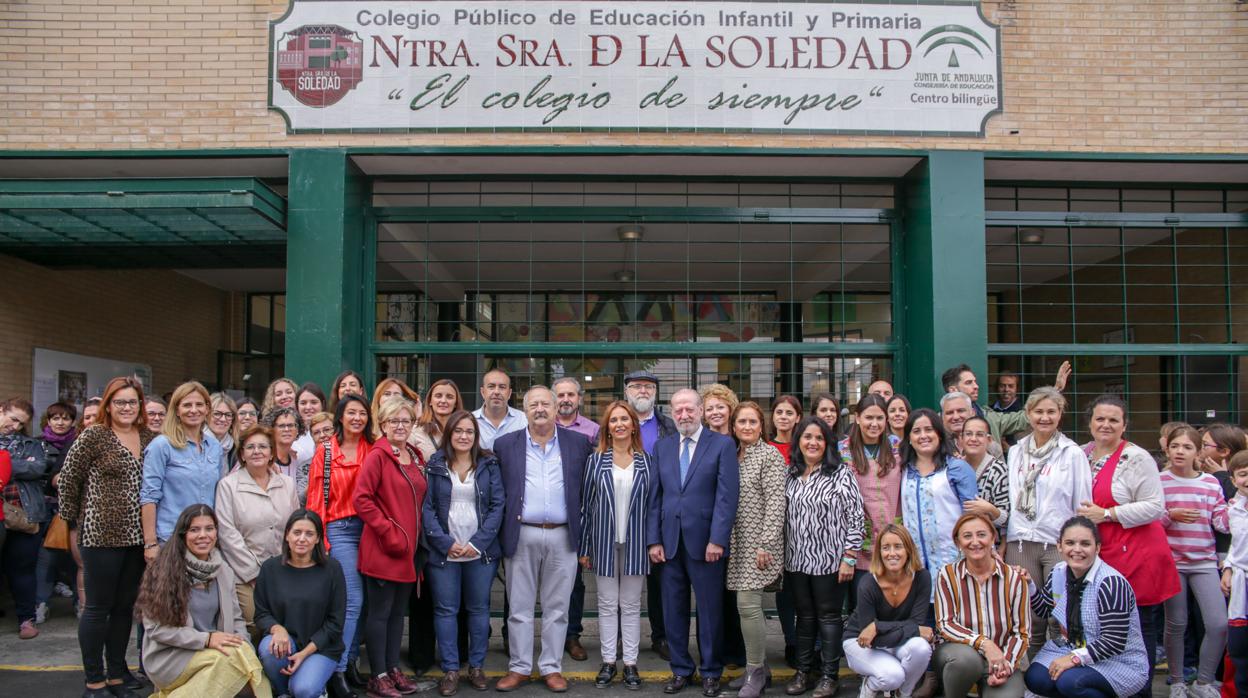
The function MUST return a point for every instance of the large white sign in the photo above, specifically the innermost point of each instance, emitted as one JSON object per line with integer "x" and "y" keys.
{"x": 618, "y": 65}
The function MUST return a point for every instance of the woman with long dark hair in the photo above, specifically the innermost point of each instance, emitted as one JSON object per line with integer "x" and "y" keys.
{"x": 194, "y": 643}
{"x": 874, "y": 456}
{"x": 99, "y": 496}
{"x": 823, "y": 537}
{"x": 389, "y": 497}
{"x": 786, "y": 412}
{"x": 898, "y": 411}
{"x": 462, "y": 517}
{"x": 309, "y": 402}
{"x": 301, "y": 602}
{"x": 347, "y": 383}
{"x": 934, "y": 486}
{"x": 825, "y": 407}
{"x": 331, "y": 494}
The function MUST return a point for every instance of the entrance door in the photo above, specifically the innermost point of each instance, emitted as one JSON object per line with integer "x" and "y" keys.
{"x": 773, "y": 289}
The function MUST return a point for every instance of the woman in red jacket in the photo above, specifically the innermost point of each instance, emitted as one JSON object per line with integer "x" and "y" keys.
{"x": 389, "y": 495}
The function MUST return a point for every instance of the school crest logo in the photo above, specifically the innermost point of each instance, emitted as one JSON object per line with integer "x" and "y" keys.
{"x": 319, "y": 63}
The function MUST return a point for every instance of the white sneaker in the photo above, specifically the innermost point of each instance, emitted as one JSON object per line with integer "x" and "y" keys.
{"x": 864, "y": 692}
{"x": 62, "y": 589}
{"x": 1178, "y": 690}
{"x": 41, "y": 614}
{"x": 1204, "y": 690}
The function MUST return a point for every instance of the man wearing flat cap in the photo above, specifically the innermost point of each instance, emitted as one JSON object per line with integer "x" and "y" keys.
{"x": 641, "y": 390}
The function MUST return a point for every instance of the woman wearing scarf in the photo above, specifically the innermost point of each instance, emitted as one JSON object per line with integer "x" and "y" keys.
{"x": 55, "y": 564}
{"x": 193, "y": 644}
{"x": 1049, "y": 481}
{"x": 1100, "y": 653}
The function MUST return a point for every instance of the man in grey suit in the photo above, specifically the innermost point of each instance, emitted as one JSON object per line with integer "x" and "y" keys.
{"x": 542, "y": 468}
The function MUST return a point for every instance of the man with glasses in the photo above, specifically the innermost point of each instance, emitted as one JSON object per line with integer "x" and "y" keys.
{"x": 641, "y": 390}
{"x": 542, "y": 468}
{"x": 496, "y": 417}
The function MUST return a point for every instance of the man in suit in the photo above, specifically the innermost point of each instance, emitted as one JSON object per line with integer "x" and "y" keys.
{"x": 693, "y": 504}
{"x": 542, "y": 473}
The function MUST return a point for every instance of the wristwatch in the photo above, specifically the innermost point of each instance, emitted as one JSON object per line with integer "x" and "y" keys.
{"x": 1075, "y": 658}
{"x": 1109, "y": 514}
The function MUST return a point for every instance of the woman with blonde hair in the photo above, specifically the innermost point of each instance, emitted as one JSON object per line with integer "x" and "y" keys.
{"x": 757, "y": 538}
{"x": 888, "y": 639}
{"x": 718, "y": 405}
{"x": 193, "y": 642}
{"x": 181, "y": 467}
{"x": 280, "y": 393}
{"x": 390, "y": 388}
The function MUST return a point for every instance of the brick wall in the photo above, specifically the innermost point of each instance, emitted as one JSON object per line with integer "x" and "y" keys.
{"x": 1152, "y": 76}
{"x": 159, "y": 318}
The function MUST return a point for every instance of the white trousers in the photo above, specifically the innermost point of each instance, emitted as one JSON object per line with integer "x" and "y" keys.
{"x": 543, "y": 569}
{"x": 889, "y": 669}
{"x": 619, "y": 611}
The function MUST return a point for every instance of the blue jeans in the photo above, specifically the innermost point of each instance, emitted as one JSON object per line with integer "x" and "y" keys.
{"x": 307, "y": 682}
{"x": 344, "y": 540}
{"x": 1075, "y": 682}
{"x": 54, "y": 566}
{"x": 466, "y": 583}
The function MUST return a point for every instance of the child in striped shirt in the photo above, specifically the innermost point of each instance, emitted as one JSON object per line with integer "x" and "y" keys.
{"x": 1235, "y": 574}
{"x": 1194, "y": 503}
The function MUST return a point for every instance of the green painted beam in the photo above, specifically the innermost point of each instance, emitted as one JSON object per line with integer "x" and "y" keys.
{"x": 634, "y": 213}
{"x": 945, "y": 321}
{"x": 1118, "y": 349}
{"x": 324, "y": 265}
{"x": 633, "y": 348}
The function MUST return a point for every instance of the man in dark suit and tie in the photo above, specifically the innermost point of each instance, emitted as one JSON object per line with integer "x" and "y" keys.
{"x": 542, "y": 467}
{"x": 693, "y": 505}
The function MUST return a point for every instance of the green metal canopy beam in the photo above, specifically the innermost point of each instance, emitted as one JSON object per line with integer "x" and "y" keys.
{"x": 325, "y": 273}
{"x": 142, "y": 223}
{"x": 635, "y": 348}
{"x": 945, "y": 319}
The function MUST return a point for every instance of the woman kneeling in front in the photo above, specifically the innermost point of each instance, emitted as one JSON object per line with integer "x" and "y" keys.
{"x": 888, "y": 639}
{"x": 194, "y": 646}
{"x": 301, "y": 605}
{"x": 1101, "y": 651}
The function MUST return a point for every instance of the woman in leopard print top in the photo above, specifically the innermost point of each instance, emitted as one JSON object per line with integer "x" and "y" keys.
{"x": 99, "y": 489}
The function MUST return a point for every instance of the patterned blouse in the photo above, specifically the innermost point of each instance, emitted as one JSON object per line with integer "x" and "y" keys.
{"x": 824, "y": 522}
{"x": 760, "y": 518}
{"x": 968, "y": 612}
{"x": 993, "y": 477}
{"x": 99, "y": 488}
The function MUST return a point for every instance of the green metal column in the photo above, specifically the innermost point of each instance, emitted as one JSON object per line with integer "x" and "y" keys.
{"x": 945, "y": 320}
{"x": 324, "y": 265}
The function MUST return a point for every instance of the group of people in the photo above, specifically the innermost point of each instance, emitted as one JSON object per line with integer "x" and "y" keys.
{"x": 263, "y": 544}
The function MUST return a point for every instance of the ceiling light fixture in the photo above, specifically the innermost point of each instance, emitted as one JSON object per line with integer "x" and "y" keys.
{"x": 1031, "y": 236}
{"x": 625, "y": 276}
{"x": 630, "y": 233}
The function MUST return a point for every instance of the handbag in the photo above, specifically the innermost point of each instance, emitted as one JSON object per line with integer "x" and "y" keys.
{"x": 57, "y": 537}
{"x": 15, "y": 519}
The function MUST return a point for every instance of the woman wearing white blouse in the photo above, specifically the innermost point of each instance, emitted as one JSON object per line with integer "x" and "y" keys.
{"x": 613, "y": 524}
{"x": 253, "y": 504}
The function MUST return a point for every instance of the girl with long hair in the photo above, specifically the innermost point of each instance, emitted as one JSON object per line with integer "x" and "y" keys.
{"x": 442, "y": 399}
{"x": 786, "y": 412}
{"x": 194, "y": 644}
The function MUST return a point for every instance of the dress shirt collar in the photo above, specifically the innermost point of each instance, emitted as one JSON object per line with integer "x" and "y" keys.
{"x": 553, "y": 443}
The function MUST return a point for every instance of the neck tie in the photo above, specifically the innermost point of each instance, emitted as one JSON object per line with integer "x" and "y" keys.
{"x": 684, "y": 459}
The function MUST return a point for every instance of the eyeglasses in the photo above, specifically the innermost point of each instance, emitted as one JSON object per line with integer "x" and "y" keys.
{"x": 154, "y": 413}
{"x": 125, "y": 404}
{"x": 639, "y": 387}
{"x": 285, "y": 427}
{"x": 399, "y": 422}
{"x": 244, "y": 413}
{"x": 256, "y": 447}
{"x": 464, "y": 432}
{"x": 222, "y": 416}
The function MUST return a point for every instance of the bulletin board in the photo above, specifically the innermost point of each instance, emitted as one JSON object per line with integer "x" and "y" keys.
{"x": 75, "y": 378}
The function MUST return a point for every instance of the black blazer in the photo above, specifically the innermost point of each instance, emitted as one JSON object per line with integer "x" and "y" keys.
{"x": 574, "y": 450}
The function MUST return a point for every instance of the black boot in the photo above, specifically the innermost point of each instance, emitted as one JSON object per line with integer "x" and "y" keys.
{"x": 353, "y": 675}
{"x": 830, "y": 631}
{"x": 338, "y": 687}
{"x": 806, "y": 633}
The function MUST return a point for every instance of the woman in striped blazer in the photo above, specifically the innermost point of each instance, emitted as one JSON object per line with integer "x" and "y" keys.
{"x": 613, "y": 541}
